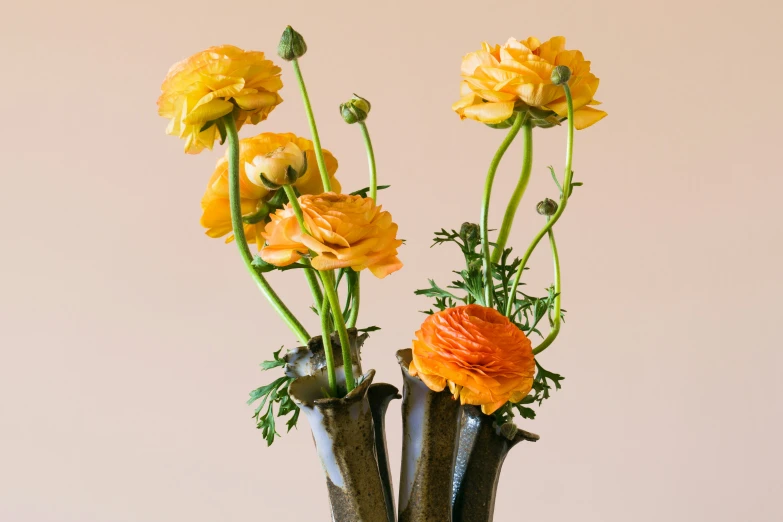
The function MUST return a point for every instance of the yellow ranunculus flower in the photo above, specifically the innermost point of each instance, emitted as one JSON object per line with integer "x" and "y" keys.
{"x": 211, "y": 84}
{"x": 216, "y": 217}
{"x": 517, "y": 75}
{"x": 344, "y": 232}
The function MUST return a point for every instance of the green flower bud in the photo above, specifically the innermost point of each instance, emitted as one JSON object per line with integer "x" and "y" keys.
{"x": 292, "y": 45}
{"x": 546, "y": 207}
{"x": 355, "y": 110}
{"x": 560, "y": 75}
{"x": 470, "y": 233}
{"x": 509, "y": 430}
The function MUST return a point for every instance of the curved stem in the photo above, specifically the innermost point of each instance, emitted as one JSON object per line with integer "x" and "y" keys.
{"x": 319, "y": 153}
{"x": 493, "y": 167}
{"x": 556, "y": 320}
{"x": 327, "y": 278}
{"x": 519, "y": 191}
{"x": 370, "y": 161}
{"x": 565, "y": 193}
{"x": 355, "y": 301}
{"x": 239, "y": 234}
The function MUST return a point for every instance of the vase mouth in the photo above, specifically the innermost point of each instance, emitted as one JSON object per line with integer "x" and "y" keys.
{"x": 309, "y": 359}
{"x": 405, "y": 358}
{"x": 308, "y": 391}
{"x": 516, "y": 436}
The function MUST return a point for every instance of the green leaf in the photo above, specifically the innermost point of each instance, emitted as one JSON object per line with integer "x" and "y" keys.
{"x": 275, "y": 363}
{"x": 368, "y": 329}
{"x": 366, "y": 190}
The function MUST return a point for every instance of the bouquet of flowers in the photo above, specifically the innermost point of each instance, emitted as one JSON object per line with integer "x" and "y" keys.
{"x": 472, "y": 367}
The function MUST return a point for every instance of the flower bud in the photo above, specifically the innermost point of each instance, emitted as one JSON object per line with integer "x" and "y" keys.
{"x": 282, "y": 166}
{"x": 292, "y": 45}
{"x": 509, "y": 430}
{"x": 470, "y": 233}
{"x": 560, "y": 75}
{"x": 546, "y": 207}
{"x": 355, "y": 110}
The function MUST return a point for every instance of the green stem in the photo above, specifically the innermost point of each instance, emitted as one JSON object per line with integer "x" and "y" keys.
{"x": 326, "y": 340}
{"x": 323, "y": 304}
{"x": 239, "y": 234}
{"x": 370, "y": 161}
{"x": 319, "y": 153}
{"x": 493, "y": 167}
{"x": 312, "y": 279}
{"x": 355, "y": 301}
{"x": 565, "y": 193}
{"x": 315, "y": 287}
{"x": 289, "y": 191}
{"x": 327, "y": 278}
{"x": 556, "y": 320}
{"x": 519, "y": 191}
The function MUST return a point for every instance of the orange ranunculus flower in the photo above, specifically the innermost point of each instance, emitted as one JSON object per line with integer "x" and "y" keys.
{"x": 482, "y": 356}
{"x": 211, "y": 84}
{"x": 517, "y": 74}
{"x": 344, "y": 231}
{"x": 216, "y": 217}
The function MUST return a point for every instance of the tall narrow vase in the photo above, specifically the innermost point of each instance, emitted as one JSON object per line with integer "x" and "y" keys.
{"x": 430, "y": 424}
{"x": 483, "y": 447}
{"x": 344, "y": 435}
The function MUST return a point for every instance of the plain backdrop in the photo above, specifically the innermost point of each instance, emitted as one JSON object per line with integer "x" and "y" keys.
{"x": 130, "y": 340}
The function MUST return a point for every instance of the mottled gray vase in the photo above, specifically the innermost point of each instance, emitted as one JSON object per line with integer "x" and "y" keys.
{"x": 483, "y": 447}
{"x": 307, "y": 360}
{"x": 430, "y": 424}
{"x": 345, "y": 440}
{"x": 380, "y": 395}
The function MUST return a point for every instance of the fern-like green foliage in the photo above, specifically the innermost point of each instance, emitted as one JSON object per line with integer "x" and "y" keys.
{"x": 274, "y": 393}
{"x": 527, "y": 311}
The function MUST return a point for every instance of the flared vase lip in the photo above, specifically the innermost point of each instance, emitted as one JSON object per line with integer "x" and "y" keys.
{"x": 519, "y": 436}
{"x": 405, "y": 358}
{"x": 307, "y": 391}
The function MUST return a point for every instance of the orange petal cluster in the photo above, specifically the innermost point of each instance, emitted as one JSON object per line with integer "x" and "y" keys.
{"x": 345, "y": 231}
{"x": 213, "y": 83}
{"x": 216, "y": 216}
{"x": 497, "y": 79}
{"x": 482, "y": 357}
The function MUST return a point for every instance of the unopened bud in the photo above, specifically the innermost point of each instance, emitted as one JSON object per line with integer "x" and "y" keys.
{"x": 509, "y": 430}
{"x": 355, "y": 110}
{"x": 292, "y": 45}
{"x": 470, "y": 233}
{"x": 546, "y": 207}
{"x": 282, "y": 166}
{"x": 560, "y": 75}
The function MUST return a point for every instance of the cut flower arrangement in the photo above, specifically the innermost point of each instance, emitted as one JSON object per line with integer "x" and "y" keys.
{"x": 474, "y": 364}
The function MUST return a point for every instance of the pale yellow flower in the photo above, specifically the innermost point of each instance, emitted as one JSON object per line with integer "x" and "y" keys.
{"x": 280, "y": 167}
{"x": 216, "y": 217}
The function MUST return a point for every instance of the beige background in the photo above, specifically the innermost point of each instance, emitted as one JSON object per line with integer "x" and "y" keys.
{"x": 130, "y": 340}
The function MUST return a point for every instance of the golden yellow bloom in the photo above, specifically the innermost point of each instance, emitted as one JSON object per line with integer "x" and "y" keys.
{"x": 482, "y": 356}
{"x": 345, "y": 231}
{"x": 211, "y": 84}
{"x": 517, "y": 75}
{"x": 216, "y": 217}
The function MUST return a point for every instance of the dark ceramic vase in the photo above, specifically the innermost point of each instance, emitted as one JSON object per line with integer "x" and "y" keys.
{"x": 430, "y": 424}
{"x": 345, "y": 440}
{"x": 483, "y": 447}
